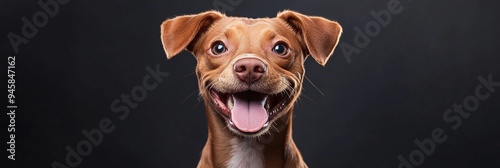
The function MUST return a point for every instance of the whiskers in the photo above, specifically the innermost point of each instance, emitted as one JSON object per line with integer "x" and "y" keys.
{"x": 275, "y": 128}
{"x": 199, "y": 101}
{"x": 314, "y": 85}
{"x": 185, "y": 99}
{"x": 189, "y": 74}
{"x": 307, "y": 97}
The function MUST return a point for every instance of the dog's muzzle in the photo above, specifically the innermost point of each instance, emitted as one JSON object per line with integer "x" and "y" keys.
{"x": 248, "y": 111}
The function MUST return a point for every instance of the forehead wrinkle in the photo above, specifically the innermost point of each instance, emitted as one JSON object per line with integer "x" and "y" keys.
{"x": 232, "y": 29}
{"x": 247, "y": 26}
{"x": 268, "y": 34}
{"x": 236, "y": 35}
{"x": 229, "y": 33}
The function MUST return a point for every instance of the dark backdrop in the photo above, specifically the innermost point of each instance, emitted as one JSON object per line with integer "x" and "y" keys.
{"x": 368, "y": 110}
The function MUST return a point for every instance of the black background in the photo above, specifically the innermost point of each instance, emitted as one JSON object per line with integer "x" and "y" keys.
{"x": 373, "y": 108}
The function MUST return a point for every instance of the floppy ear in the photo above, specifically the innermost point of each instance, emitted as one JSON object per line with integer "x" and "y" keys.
{"x": 320, "y": 35}
{"x": 178, "y": 33}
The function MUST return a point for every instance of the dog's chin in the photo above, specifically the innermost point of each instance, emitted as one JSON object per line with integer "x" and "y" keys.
{"x": 249, "y": 113}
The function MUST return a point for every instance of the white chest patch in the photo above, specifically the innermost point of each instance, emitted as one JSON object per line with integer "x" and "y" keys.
{"x": 245, "y": 154}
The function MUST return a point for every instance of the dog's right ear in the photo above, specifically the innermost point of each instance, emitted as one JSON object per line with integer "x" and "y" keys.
{"x": 178, "y": 33}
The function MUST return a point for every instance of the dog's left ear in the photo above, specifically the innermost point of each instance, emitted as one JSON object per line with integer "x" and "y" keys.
{"x": 320, "y": 35}
{"x": 180, "y": 32}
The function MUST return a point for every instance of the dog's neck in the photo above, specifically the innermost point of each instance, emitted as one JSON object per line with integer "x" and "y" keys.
{"x": 225, "y": 149}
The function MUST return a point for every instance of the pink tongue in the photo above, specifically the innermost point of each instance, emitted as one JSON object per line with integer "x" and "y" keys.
{"x": 248, "y": 113}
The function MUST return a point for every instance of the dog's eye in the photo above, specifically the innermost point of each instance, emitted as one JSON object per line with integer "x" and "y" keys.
{"x": 218, "y": 48}
{"x": 280, "y": 49}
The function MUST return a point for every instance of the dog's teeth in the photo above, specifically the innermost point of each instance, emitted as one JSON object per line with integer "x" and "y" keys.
{"x": 230, "y": 103}
{"x": 266, "y": 124}
{"x": 231, "y": 122}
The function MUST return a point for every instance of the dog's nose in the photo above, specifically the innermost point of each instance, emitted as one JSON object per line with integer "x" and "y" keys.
{"x": 249, "y": 70}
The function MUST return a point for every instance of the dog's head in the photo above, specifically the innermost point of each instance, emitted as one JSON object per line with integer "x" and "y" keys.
{"x": 250, "y": 71}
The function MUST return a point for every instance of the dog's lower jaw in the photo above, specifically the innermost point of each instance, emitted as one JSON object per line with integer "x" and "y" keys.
{"x": 280, "y": 151}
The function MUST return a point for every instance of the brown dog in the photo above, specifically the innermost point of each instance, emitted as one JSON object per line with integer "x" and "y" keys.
{"x": 250, "y": 73}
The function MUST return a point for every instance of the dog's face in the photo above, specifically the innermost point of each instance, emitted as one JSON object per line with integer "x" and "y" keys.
{"x": 250, "y": 71}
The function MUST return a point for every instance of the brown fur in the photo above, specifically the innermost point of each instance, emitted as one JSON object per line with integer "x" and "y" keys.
{"x": 304, "y": 35}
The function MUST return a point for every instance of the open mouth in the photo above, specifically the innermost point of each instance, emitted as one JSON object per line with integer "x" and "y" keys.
{"x": 248, "y": 112}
